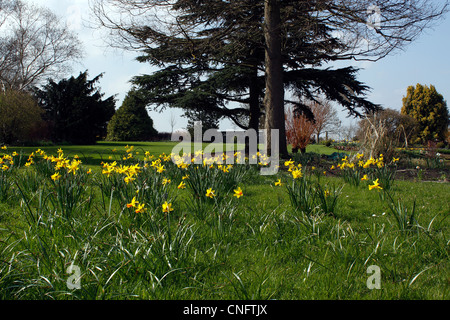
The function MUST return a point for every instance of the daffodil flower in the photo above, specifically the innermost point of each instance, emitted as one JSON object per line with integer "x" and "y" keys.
{"x": 278, "y": 183}
{"x": 296, "y": 173}
{"x": 56, "y": 176}
{"x": 289, "y": 163}
{"x": 182, "y": 185}
{"x": 376, "y": 185}
{"x": 210, "y": 193}
{"x": 140, "y": 208}
{"x": 129, "y": 178}
{"x": 238, "y": 193}
{"x": 133, "y": 203}
{"x": 167, "y": 207}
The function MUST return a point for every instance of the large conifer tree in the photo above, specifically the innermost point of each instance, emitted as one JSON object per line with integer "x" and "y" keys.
{"x": 285, "y": 42}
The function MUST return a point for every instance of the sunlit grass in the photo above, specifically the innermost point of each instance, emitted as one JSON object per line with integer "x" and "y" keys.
{"x": 179, "y": 243}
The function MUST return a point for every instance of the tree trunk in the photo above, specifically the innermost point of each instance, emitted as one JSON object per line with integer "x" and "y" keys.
{"x": 255, "y": 111}
{"x": 274, "y": 96}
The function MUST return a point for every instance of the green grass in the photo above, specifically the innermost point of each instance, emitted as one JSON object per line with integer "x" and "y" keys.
{"x": 255, "y": 247}
{"x": 93, "y": 155}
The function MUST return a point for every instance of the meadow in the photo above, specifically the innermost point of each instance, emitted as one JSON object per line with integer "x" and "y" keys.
{"x": 133, "y": 221}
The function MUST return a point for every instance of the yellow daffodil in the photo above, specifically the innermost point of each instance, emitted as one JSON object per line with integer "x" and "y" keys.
{"x": 376, "y": 185}
{"x": 133, "y": 203}
{"x": 165, "y": 181}
{"x": 369, "y": 162}
{"x": 129, "y": 178}
{"x": 278, "y": 183}
{"x": 210, "y": 193}
{"x": 364, "y": 178}
{"x": 74, "y": 166}
{"x": 297, "y": 173}
{"x": 289, "y": 163}
{"x": 140, "y": 208}
{"x": 167, "y": 207}
{"x": 182, "y": 185}
{"x": 238, "y": 193}
{"x": 56, "y": 176}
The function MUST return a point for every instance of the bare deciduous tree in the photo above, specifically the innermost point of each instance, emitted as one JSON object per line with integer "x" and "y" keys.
{"x": 325, "y": 116}
{"x": 172, "y": 122}
{"x": 34, "y": 45}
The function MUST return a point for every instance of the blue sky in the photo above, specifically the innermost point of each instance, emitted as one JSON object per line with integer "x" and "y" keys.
{"x": 425, "y": 61}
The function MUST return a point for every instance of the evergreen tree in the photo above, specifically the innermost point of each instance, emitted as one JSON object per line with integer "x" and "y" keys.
{"x": 131, "y": 121}
{"x": 75, "y": 109}
{"x": 201, "y": 37}
{"x": 224, "y": 63}
{"x": 430, "y": 110}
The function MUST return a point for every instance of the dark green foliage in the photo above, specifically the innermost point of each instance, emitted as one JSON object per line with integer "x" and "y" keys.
{"x": 131, "y": 121}
{"x": 226, "y": 59}
{"x": 209, "y": 120}
{"x": 75, "y": 109}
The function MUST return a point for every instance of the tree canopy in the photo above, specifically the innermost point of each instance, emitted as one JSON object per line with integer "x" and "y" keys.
{"x": 34, "y": 45}
{"x": 430, "y": 110}
{"x": 20, "y": 116}
{"x": 75, "y": 109}
{"x": 131, "y": 121}
{"x": 253, "y": 51}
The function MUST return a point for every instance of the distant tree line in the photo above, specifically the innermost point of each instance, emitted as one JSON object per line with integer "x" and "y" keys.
{"x": 74, "y": 111}
{"x": 37, "y": 47}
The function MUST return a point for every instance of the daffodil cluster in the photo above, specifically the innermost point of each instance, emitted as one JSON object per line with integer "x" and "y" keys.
{"x": 6, "y": 162}
{"x": 296, "y": 171}
{"x": 129, "y": 172}
{"x": 357, "y": 169}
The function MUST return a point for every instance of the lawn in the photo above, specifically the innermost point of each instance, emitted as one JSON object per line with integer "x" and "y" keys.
{"x": 94, "y": 155}
{"x": 148, "y": 228}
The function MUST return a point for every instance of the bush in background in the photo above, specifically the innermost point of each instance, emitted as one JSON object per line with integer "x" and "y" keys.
{"x": 131, "y": 121}
{"x": 20, "y": 117}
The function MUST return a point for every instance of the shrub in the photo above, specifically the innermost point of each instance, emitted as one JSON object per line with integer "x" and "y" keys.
{"x": 20, "y": 116}
{"x": 131, "y": 121}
